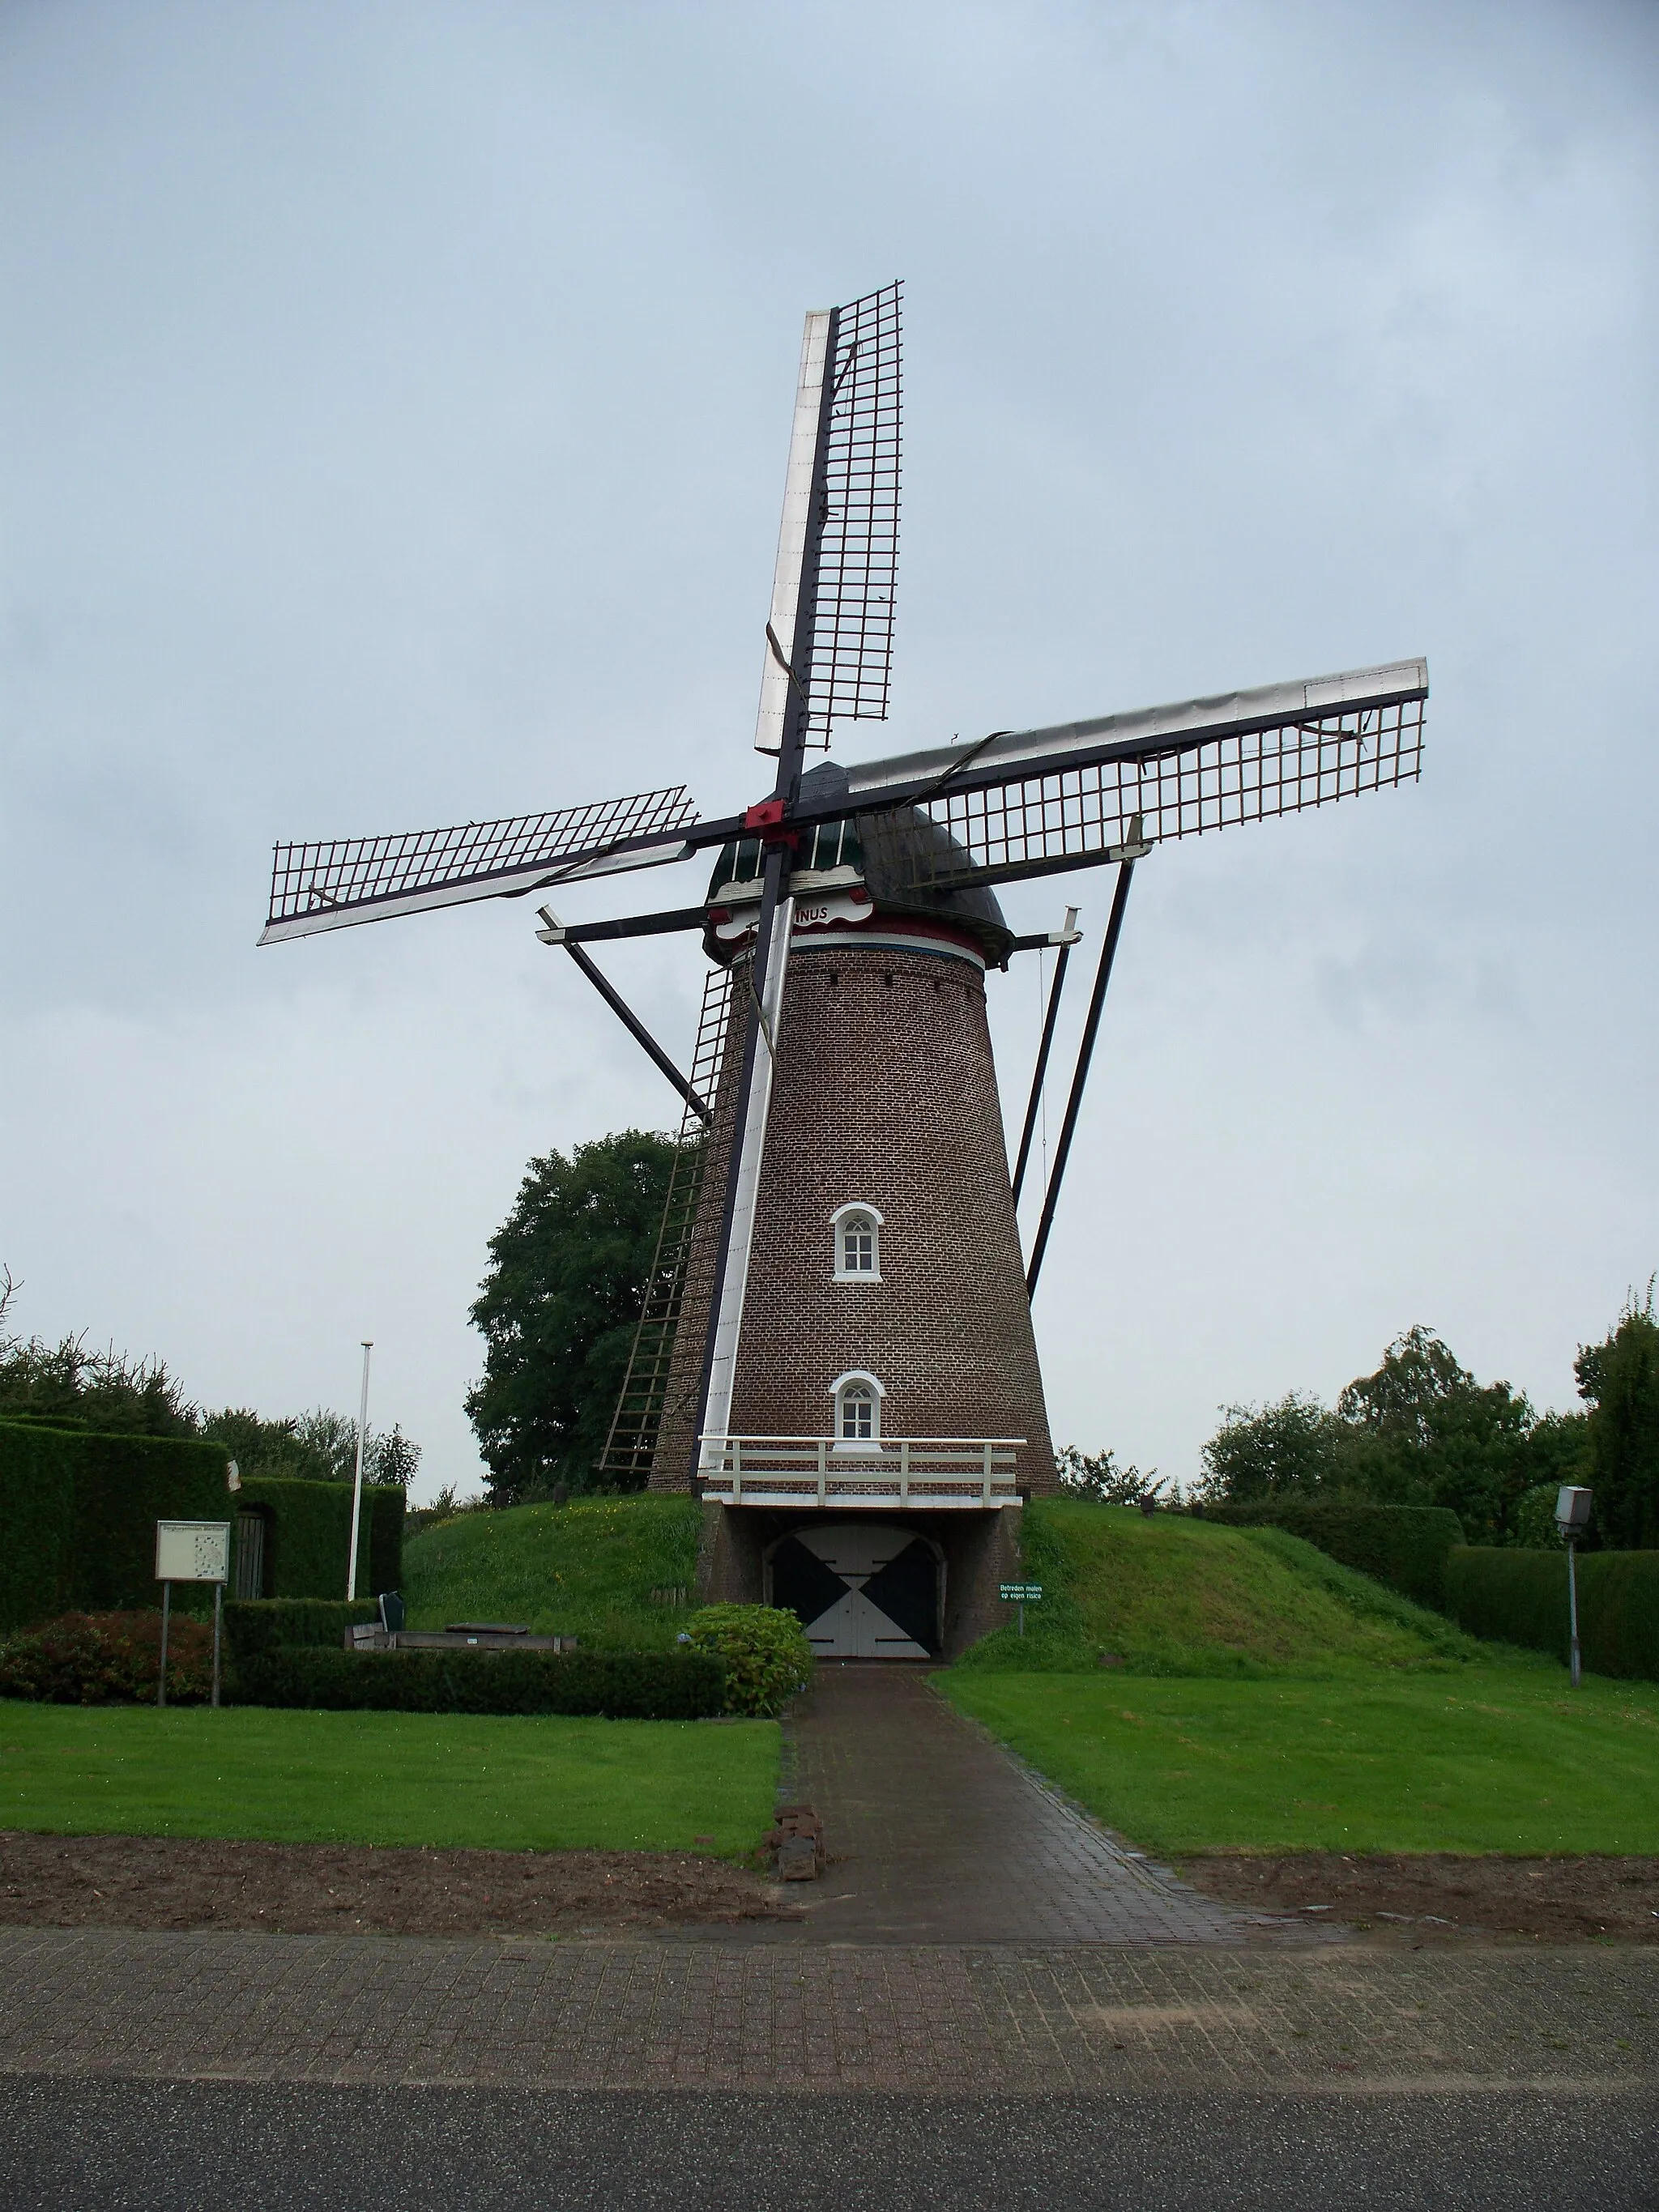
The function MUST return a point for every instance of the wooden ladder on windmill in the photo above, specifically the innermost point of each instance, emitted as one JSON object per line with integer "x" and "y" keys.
{"x": 631, "y": 1444}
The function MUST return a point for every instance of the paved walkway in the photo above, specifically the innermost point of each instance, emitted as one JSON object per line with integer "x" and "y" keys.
{"x": 959, "y": 2020}
{"x": 937, "y": 1835}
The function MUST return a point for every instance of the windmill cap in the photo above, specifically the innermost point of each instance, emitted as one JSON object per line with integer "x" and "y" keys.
{"x": 887, "y": 848}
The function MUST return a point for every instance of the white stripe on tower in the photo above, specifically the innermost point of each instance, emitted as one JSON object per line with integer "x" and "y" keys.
{"x": 723, "y": 1372}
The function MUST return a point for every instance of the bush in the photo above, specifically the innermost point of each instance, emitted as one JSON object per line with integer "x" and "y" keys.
{"x": 1521, "y": 1597}
{"x": 257, "y": 1625}
{"x": 108, "y": 1659}
{"x": 1403, "y": 1546}
{"x": 765, "y": 1650}
{"x": 637, "y": 1686}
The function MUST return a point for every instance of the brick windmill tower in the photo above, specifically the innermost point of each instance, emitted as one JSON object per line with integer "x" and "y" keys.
{"x": 836, "y": 1350}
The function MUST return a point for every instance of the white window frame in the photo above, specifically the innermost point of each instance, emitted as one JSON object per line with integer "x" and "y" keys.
{"x": 857, "y": 1378}
{"x": 838, "y": 1221}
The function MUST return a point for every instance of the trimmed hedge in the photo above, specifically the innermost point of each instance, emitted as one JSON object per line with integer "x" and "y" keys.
{"x": 1521, "y": 1597}
{"x": 256, "y": 1625}
{"x": 79, "y": 1511}
{"x": 1404, "y": 1545}
{"x": 635, "y": 1686}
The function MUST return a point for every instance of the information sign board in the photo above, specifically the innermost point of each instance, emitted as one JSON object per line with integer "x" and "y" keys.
{"x": 192, "y": 1550}
{"x": 1020, "y": 1593}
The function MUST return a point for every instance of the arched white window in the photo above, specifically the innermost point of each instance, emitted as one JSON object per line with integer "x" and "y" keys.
{"x": 857, "y": 1229}
{"x": 858, "y": 1399}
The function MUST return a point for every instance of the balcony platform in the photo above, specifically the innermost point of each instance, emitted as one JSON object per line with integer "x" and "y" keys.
{"x": 964, "y": 1474}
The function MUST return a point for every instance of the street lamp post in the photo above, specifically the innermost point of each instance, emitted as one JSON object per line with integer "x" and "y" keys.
{"x": 1572, "y": 1513}
{"x": 357, "y": 1480}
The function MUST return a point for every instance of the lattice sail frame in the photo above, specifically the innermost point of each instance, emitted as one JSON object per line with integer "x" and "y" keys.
{"x": 1045, "y": 823}
{"x": 340, "y": 880}
{"x": 851, "y": 659}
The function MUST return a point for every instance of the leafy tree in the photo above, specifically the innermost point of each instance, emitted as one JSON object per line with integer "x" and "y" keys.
{"x": 558, "y": 1306}
{"x": 315, "y": 1447}
{"x": 1426, "y": 1433}
{"x": 1101, "y": 1477}
{"x": 1263, "y": 1451}
{"x": 1620, "y": 1380}
{"x": 65, "y": 1386}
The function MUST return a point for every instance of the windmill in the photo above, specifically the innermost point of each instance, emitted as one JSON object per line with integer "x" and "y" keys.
{"x": 835, "y": 1349}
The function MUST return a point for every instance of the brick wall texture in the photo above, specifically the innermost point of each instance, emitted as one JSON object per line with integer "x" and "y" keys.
{"x": 884, "y": 1094}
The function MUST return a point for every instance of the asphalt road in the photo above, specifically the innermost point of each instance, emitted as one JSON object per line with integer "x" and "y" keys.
{"x": 81, "y": 2145}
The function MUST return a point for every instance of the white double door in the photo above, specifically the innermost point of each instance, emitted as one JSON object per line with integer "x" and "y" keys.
{"x": 854, "y": 1627}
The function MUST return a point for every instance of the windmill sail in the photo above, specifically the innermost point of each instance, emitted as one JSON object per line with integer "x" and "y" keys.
{"x": 829, "y": 637}
{"x": 1037, "y": 802}
{"x": 337, "y": 883}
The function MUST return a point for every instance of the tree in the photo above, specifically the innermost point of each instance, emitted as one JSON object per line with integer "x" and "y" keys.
{"x": 1426, "y": 1433}
{"x": 566, "y": 1284}
{"x": 67, "y": 1386}
{"x": 1619, "y": 1378}
{"x": 1294, "y": 1445}
{"x": 1101, "y": 1477}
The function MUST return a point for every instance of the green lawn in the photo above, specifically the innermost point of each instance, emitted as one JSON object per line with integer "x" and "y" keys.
{"x": 587, "y": 1568}
{"x": 541, "y": 1784}
{"x": 1490, "y": 1756}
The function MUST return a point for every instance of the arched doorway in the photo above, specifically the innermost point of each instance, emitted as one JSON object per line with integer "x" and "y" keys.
{"x": 861, "y": 1589}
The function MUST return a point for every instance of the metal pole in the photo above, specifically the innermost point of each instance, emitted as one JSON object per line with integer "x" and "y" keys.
{"x": 1572, "y": 1610}
{"x": 1022, "y": 1616}
{"x": 161, "y": 1685}
{"x": 637, "y": 1029}
{"x": 1085, "y": 1050}
{"x": 357, "y": 1480}
{"x": 1042, "y": 1069}
{"x": 218, "y": 1625}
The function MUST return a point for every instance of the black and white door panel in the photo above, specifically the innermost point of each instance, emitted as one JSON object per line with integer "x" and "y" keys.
{"x": 860, "y": 1590}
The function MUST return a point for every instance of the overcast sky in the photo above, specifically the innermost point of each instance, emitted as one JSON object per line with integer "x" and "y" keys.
{"x": 395, "y": 398}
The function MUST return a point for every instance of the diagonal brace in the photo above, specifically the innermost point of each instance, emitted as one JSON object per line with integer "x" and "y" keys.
{"x": 1085, "y": 1053}
{"x": 630, "y": 1021}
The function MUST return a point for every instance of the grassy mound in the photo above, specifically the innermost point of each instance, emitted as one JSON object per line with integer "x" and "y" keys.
{"x": 1166, "y": 1595}
{"x": 587, "y": 1568}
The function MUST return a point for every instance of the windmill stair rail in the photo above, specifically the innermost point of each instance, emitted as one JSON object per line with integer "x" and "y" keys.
{"x": 965, "y": 1473}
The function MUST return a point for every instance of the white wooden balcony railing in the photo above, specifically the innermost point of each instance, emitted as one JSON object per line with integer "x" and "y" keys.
{"x": 970, "y": 1473}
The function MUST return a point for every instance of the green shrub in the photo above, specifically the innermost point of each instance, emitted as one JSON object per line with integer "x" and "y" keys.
{"x": 640, "y": 1686}
{"x": 1521, "y": 1597}
{"x": 256, "y": 1625}
{"x": 1403, "y": 1546}
{"x": 765, "y": 1650}
{"x": 108, "y": 1659}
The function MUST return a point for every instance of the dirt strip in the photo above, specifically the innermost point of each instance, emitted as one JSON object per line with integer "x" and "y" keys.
{"x": 1440, "y": 1895}
{"x": 308, "y": 1889}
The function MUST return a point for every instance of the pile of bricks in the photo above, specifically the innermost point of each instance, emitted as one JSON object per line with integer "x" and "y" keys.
{"x": 795, "y": 1845}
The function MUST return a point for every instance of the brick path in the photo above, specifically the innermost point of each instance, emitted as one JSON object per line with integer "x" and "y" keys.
{"x": 970, "y": 2019}
{"x": 937, "y": 1835}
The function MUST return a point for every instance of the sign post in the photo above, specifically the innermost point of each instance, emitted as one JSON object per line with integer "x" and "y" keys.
{"x": 1022, "y": 1594}
{"x": 358, "y": 1479}
{"x": 191, "y": 1551}
{"x": 1572, "y": 1513}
